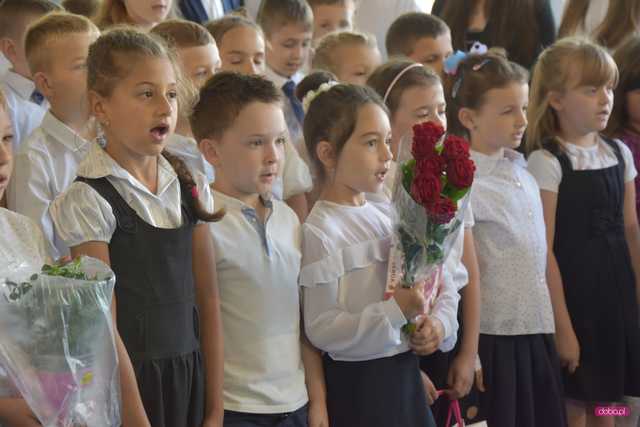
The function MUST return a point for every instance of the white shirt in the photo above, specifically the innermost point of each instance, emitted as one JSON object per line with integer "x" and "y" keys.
{"x": 454, "y": 278}
{"x": 546, "y": 168}
{"x": 5, "y": 64}
{"x": 376, "y": 16}
{"x": 214, "y": 8}
{"x": 511, "y": 246}
{"x": 25, "y": 115}
{"x": 187, "y": 149}
{"x": 81, "y": 215}
{"x": 44, "y": 168}
{"x": 344, "y": 272}
{"x": 258, "y": 266}
{"x": 21, "y": 243}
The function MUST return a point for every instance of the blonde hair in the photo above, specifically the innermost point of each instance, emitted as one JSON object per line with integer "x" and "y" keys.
{"x": 219, "y": 27}
{"x": 3, "y": 100}
{"x": 183, "y": 34}
{"x": 274, "y": 14}
{"x": 554, "y": 72}
{"x": 324, "y": 57}
{"x": 385, "y": 74}
{"x": 51, "y": 27}
{"x": 114, "y": 12}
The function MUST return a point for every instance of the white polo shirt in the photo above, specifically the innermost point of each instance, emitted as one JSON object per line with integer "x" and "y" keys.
{"x": 45, "y": 167}
{"x": 258, "y": 266}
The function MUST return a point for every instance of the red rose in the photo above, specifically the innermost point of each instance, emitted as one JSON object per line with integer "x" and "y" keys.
{"x": 425, "y": 137}
{"x": 442, "y": 211}
{"x": 433, "y": 166}
{"x": 426, "y": 188}
{"x": 428, "y": 130}
{"x": 460, "y": 172}
{"x": 455, "y": 148}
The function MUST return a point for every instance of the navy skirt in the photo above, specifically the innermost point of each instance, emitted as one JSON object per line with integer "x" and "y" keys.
{"x": 522, "y": 380}
{"x": 386, "y": 392}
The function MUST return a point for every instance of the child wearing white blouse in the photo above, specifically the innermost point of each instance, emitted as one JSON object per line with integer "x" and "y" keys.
{"x": 587, "y": 188}
{"x": 520, "y": 368}
{"x": 414, "y": 94}
{"x": 21, "y": 241}
{"x": 372, "y": 377}
{"x": 140, "y": 210}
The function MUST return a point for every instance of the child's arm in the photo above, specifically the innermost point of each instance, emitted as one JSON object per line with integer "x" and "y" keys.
{"x": 372, "y": 331}
{"x": 632, "y": 231}
{"x": 461, "y": 372}
{"x": 314, "y": 378}
{"x": 206, "y": 283}
{"x": 15, "y": 412}
{"x": 133, "y": 413}
{"x": 566, "y": 340}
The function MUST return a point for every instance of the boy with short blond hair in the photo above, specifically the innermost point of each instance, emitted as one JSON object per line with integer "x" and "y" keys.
{"x": 56, "y": 47}
{"x": 25, "y": 105}
{"x": 331, "y": 15}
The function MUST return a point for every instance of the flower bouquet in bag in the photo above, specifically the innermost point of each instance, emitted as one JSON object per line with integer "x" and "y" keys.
{"x": 57, "y": 342}
{"x": 430, "y": 195}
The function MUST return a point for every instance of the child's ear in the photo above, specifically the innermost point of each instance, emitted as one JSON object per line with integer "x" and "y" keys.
{"x": 555, "y": 100}
{"x": 8, "y": 48}
{"x": 210, "y": 149}
{"x": 326, "y": 154}
{"x": 466, "y": 116}
{"x": 42, "y": 84}
{"x": 98, "y": 108}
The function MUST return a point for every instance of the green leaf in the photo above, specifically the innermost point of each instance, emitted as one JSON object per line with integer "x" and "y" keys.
{"x": 455, "y": 193}
{"x": 408, "y": 172}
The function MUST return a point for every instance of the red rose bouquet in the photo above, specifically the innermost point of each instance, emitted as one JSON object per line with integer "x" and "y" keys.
{"x": 434, "y": 177}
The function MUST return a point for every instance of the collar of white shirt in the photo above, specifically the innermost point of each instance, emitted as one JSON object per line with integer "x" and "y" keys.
{"x": 279, "y": 80}
{"x": 21, "y": 85}
{"x": 230, "y": 203}
{"x": 99, "y": 164}
{"x": 62, "y": 133}
{"x": 485, "y": 164}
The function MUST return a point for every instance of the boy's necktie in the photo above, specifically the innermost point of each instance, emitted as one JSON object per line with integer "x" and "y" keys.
{"x": 289, "y": 89}
{"x": 193, "y": 10}
{"x": 231, "y": 5}
{"x": 37, "y": 97}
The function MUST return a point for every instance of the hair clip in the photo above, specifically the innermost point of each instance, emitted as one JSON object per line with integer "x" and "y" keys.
{"x": 194, "y": 192}
{"x": 452, "y": 62}
{"x": 313, "y": 94}
{"x": 478, "y": 49}
{"x": 481, "y": 64}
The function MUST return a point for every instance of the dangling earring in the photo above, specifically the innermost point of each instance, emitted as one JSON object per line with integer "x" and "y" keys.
{"x": 101, "y": 139}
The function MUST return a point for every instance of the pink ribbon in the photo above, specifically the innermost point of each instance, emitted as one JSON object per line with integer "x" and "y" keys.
{"x": 454, "y": 410}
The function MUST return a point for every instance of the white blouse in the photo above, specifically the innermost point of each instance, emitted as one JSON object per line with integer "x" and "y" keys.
{"x": 511, "y": 246}
{"x": 344, "y": 271}
{"x": 546, "y": 168}
{"x": 81, "y": 215}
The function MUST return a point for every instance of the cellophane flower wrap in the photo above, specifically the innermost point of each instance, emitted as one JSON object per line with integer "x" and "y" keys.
{"x": 430, "y": 195}
{"x": 57, "y": 342}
